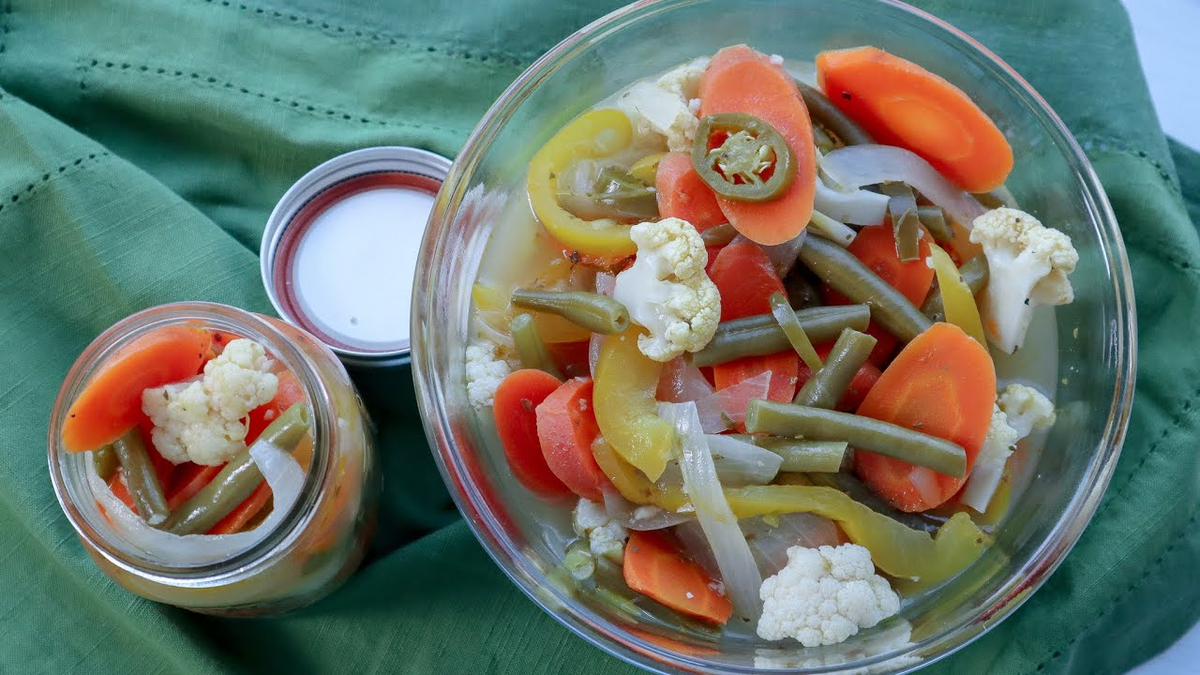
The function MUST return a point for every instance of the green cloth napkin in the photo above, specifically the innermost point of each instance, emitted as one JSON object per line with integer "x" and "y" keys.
{"x": 142, "y": 145}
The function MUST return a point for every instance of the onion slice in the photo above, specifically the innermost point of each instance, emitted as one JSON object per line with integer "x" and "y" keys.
{"x": 681, "y": 381}
{"x": 855, "y": 166}
{"x": 639, "y": 516}
{"x": 740, "y": 463}
{"x": 769, "y": 541}
{"x": 725, "y": 409}
{"x": 739, "y": 572}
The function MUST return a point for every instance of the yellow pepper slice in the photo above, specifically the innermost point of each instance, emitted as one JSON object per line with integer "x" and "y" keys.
{"x": 646, "y": 168}
{"x": 626, "y": 412}
{"x": 895, "y": 548}
{"x": 961, "y": 309}
{"x": 633, "y": 484}
{"x": 593, "y": 135}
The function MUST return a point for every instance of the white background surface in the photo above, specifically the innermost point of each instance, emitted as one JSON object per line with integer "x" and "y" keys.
{"x": 1168, "y": 40}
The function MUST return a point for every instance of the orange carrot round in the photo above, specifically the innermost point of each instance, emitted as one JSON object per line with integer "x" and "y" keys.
{"x": 656, "y": 568}
{"x": 746, "y": 279}
{"x": 942, "y": 383}
{"x": 111, "y": 403}
{"x": 739, "y": 79}
{"x": 682, "y": 193}
{"x": 566, "y": 427}
{"x": 902, "y": 104}
{"x": 514, "y": 410}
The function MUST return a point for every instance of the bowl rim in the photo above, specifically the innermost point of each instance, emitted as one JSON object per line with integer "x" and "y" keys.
{"x": 613, "y": 639}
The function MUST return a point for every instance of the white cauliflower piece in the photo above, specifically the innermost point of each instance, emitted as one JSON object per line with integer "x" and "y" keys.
{"x": 204, "y": 421}
{"x": 1028, "y": 266}
{"x": 1019, "y": 410}
{"x": 663, "y": 107}
{"x": 485, "y": 370}
{"x": 897, "y": 635}
{"x": 667, "y": 291}
{"x": 1027, "y": 409}
{"x": 825, "y": 595}
{"x": 606, "y": 537}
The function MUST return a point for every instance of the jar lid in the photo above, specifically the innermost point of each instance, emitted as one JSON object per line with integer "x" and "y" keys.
{"x": 340, "y": 250}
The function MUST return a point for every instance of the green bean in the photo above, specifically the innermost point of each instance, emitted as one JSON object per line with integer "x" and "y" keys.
{"x": 849, "y": 276}
{"x": 821, "y": 109}
{"x": 785, "y": 316}
{"x": 595, "y": 312}
{"x": 530, "y": 348}
{"x": 802, "y": 293}
{"x": 974, "y": 272}
{"x": 906, "y": 225}
{"x": 864, "y": 433}
{"x": 105, "y": 461}
{"x": 140, "y": 477}
{"x": 833, "y": 230}
{"x": 827, "y": 385}
{"x": 240, "y": 477}
{"x": 719, "y": 235}
{"x": 935, "y": 221}
{"x": 859, "y": 492}
{"x": 624, "y": 195}
{"x": 760, "y": 334}
{"x": 801, "y": 455}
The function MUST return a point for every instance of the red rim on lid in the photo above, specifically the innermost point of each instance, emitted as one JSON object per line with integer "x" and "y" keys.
{"x": 339, "y": 251}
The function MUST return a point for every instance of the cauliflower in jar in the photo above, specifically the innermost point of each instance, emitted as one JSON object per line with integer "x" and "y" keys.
{"x": 204, "y": 421}
{"x": 1019, "y": 410}
{"x": 667, "y": 106}
{"x": 605, "y": 536}
{"x": 1028, "y": 264}
{"x": 485, "y": 369}
{"x": 823, "y": 596}
{"x": 667, "y": 291}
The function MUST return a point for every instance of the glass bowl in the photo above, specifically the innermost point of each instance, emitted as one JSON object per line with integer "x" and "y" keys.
{"x": 1095, "y": 336}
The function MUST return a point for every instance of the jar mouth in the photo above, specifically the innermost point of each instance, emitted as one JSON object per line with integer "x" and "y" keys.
{"x": 69, "y": 471}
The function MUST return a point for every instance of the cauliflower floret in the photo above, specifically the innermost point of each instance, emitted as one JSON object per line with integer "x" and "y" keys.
{"x": 606, "y": 537}
{"x": 484, "y": 369}
{"x": 667, "y": 291}
{"x": 825, "y": 595}
{"x": 1019, "y": 410}
{"x": 1028, "y": 266}
{"x": 202, "y": 421}
{"x": 1027, "y": 409}
{"x": 897, "y": 635}
{"x": 663, "y": 107}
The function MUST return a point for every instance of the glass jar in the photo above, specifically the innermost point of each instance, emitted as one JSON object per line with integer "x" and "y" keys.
{"x": 307, "y": 553}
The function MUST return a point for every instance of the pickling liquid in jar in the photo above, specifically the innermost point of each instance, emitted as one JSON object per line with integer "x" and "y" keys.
{"x": 314, "y": 531}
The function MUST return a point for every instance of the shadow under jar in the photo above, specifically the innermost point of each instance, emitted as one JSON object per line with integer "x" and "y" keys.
{"x": 309, "y": 544}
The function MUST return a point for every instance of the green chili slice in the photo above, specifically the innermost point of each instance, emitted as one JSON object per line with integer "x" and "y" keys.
{"x": 906, "y": 224}
{"x": 786, "y": 316}
{"x": 754, "y": 163}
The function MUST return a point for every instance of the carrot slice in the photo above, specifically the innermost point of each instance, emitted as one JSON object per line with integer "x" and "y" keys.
{"x": 120, "y": 490}
{"x": 188, "y": 480}
{"x": 944, "y": 384}
{"x": 244, "y": 512}
{"x": 901, "y": 103}
{"x": 111, "y": 403}
{"x": 566, "y": 427}
{"x": 682, "y": 193}
{"x": 739, "y": 79}
{"x": 746, "y": 279}
{"x": 289, "y": 392}
{"x": 657, "y": 569}
{"x": 514, "y": 410}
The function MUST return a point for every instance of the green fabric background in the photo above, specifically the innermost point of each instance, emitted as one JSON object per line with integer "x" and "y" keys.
{"x": 142, "y": 145}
